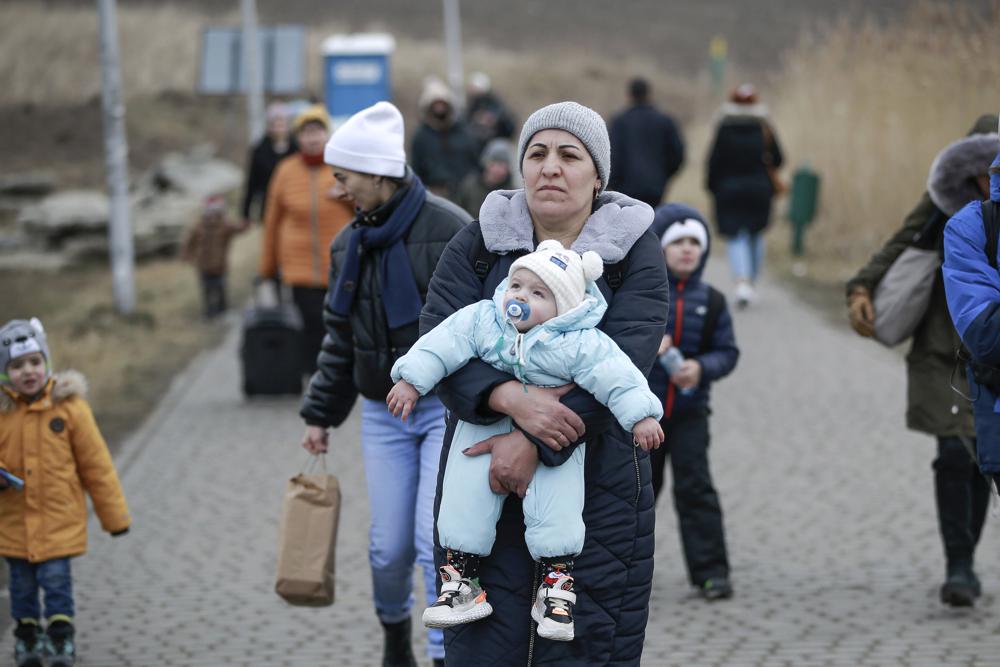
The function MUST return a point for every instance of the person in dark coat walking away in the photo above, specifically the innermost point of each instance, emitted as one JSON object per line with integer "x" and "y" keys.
{"x": 699, "y": 348}
{"x": 379, "y": 272}
{"x": 742, "y": 177}
{"x": 206, "y": 247}
{"x": 961, "y": 494}
{"x": 486, "y": 114}
{"x": 564, "y": 158}
{"x": 497, "y": 173}
{"x": 275, "y": 145}
{"x": 646, "y": 148}
{"x": 972, "y": 285}
{"x": 443, "y": 151}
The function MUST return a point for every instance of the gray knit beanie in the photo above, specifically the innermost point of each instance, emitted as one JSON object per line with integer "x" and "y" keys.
{"x": 18, "y": 338}
{"x": 582, "y": 122}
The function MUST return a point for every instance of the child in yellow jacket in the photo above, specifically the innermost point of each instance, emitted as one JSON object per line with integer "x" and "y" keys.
{"x": 50, "y": 443}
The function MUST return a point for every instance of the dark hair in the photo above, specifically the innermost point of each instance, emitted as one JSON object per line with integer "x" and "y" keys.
{"x": 638, "y": 89}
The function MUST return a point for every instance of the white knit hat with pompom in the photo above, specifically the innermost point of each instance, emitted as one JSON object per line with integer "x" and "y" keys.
{"x": 565, "y": 272}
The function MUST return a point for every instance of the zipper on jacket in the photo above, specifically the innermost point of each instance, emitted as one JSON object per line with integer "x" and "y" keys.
{"x": 668, "y": 409}
{"x": 531, "y": 621}
{"x": 638, "y": 478}
{"x": 318, "y": 277}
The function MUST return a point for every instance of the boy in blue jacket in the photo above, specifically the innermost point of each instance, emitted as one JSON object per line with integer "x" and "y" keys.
{"x": 541, "y": 327}
{"x": 699, "y": 330}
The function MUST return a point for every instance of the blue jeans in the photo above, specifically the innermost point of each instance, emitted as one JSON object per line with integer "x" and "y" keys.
{"x": 401, "y": 466}
{"x": 746, "y": 255}
{"x": 52, "y": 576}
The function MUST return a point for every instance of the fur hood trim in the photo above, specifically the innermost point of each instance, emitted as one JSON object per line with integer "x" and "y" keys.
{"x": 729, "y": 110}
{"x": 950, "y": 182}
{"x": 615, "y": 225}
{"x": 64, "y": 385}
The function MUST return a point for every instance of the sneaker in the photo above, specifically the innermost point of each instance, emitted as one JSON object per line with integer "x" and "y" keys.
{"x": 716, "y": 588}
{"x": 462, "y": 601}
{"x": 553, "y": 608}
{"x": 59, "y": 648}
{"x": 745, "y": 295}
{"x": 961, "y": 588}
{"x": 29, "y": 644}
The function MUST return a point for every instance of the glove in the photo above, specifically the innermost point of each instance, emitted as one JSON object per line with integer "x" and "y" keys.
{"x": 119, "y": 533}
{"x": 861, "y": 312}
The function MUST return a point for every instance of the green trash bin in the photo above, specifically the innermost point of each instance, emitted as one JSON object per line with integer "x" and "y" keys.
{"x": 802, "y": 205}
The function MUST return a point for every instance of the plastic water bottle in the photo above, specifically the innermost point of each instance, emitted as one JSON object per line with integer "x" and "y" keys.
{"x": 671, "y": 361}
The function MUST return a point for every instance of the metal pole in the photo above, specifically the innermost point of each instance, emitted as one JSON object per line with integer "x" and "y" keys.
{"x": 116, "y": 156}
{"x": 453, "y": 48}
{"x": 252, "y": 68}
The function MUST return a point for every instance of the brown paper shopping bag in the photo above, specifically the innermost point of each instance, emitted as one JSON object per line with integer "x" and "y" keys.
{"x": 307, "y": 540}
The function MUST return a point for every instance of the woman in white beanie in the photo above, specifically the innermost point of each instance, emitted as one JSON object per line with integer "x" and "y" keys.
{"x": 379, "y": 271}
{"x": 564, "y": 158}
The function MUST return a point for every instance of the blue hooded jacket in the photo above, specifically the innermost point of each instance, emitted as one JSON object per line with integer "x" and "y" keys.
{"x": 689, "y": 302}
{"x": 566, "y": 348}
{"x": 972, "y": 287}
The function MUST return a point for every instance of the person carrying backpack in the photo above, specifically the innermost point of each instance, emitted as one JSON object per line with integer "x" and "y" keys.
{"x": 698, "y": 348}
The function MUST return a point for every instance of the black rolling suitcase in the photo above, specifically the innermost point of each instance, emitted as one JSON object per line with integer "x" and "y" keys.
{"x": 271, "y": 352}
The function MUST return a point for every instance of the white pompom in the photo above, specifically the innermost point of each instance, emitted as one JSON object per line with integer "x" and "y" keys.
{"x": 593, "y": 265}
{"x": 549, "y": 245}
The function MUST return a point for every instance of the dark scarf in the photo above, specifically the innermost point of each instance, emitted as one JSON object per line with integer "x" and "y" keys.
{"x": 400, "y": 296}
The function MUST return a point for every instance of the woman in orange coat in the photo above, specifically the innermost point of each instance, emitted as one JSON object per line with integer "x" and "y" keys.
{"x": 52, "y": 447}
{"x": 300, "y": 222}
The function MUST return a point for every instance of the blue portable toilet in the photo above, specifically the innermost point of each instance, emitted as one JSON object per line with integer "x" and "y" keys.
{"x": 356, "y": 72}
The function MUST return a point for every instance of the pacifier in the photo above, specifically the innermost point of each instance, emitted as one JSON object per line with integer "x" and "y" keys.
{"x": 517, "y": 310}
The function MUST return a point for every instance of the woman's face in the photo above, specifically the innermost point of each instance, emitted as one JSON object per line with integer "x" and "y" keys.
{"x": 560, "y": 179}
{"x": 312, "y": 138}
{"x": 361, "y": 188}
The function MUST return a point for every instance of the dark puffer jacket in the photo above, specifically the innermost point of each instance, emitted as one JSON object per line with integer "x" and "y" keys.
{"x": 737, "y": 173}
{"x": 614, "y": 571}
{"x": 690, "y": 298}
{"x": 358, "y": 351}
{"x": 646, "y": 152}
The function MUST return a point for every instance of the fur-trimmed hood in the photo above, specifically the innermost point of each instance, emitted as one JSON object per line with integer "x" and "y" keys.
{"x": 615, "y": 225}
{"x": 62, "y": 386}
{"x": 731, "y": 110}
{"x": 951, "y": 183}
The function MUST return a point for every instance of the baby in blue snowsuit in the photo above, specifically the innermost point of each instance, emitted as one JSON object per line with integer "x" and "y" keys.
{"x": 541, "y": 327}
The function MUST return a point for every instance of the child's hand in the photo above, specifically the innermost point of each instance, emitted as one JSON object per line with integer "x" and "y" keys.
{"x": 648, "y": 434}
{"x": 688, "y": 376}
{"x": 665, "y": 345}
{"x": 401, "y": 399}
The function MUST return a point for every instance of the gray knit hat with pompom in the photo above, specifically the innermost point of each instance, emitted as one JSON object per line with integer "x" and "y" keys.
{"x": 582, "y": 122}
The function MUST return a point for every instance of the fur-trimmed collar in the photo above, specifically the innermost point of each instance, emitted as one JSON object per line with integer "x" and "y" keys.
{"x": 951, "y": 183}
{"x": 63, "y": 385}
{"x": 731, "y": 110}
{"x": 610, "y": 231}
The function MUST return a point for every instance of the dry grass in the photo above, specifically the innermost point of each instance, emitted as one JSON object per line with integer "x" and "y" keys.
{"x": 869, "y": 109}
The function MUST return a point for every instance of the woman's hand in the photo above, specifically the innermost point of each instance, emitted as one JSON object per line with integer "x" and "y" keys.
{"x": 861, "y": 312}
{"x": 688, "y": 376}
{"x": 513, "y": 462}
{"x": 539, "y": 412}
{"x": 315, "y": 440}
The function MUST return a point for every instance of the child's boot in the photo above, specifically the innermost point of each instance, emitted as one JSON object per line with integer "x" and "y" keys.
{"x": 553, "y": 608}
{"x": 29, "y": 643}
{"x": 462, "y": 599}
{"x": 60, "y": 649}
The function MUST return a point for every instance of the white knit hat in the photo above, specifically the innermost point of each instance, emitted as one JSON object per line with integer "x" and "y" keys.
{"x": 370, "y": 141}
{"x": 563, "y": 271}
{"x": 685, "y": 229}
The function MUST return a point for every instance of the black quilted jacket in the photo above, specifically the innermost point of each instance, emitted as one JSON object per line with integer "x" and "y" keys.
{"x": 358, "y": 351}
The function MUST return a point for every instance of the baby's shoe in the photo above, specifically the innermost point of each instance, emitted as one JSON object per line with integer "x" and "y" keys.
{"x": 462, "y": 601}
{"x": 29, "y": 643}
{"x": 59, "y": 649}
{"x": 553, "y": 608}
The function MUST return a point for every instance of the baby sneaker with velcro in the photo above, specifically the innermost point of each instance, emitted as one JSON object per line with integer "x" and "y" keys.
{"x": 462, "y": 601}
{"x": 553, "y": 608}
